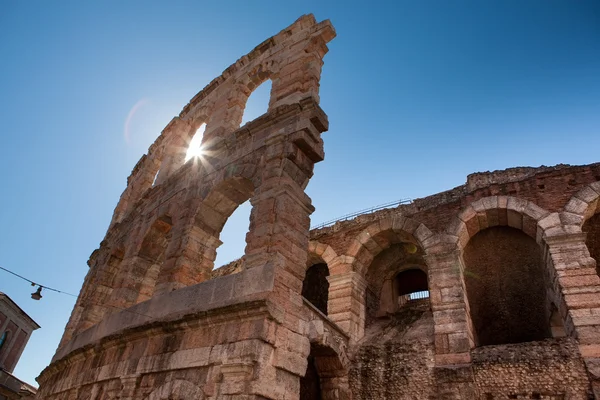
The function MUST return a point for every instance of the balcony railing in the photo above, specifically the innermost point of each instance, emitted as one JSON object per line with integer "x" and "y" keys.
{"x": 405, "y": 298}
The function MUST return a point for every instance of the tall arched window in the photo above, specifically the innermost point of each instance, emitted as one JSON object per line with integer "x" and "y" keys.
{"x": 315, "y": 287}
{"x": 233, "y": 235}
{"x": 258, "y": 102}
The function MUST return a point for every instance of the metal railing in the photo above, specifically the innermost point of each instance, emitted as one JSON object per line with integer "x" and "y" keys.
{"x": 405, "y": 298}
{"x": 361, "y": 212}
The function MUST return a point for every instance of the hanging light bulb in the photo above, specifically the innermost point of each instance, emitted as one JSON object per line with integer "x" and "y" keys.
{"x": 37, "y": 294}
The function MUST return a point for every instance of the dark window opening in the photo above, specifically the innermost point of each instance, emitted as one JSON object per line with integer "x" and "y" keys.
{"x": 310, "y": 383}
{"x": 315, "y": 287}
{"x": 411, "y": 285}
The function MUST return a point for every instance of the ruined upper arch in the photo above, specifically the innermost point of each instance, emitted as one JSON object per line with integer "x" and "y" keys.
{"x": 221, "y": 103}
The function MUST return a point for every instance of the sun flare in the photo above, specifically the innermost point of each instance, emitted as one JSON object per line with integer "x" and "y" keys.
{"x": 195, "y": 147}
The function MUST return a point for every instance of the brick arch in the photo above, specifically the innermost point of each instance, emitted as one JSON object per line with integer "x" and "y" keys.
{"x": 218, "y": 205}
{"x": 321, "y": 253}
{"x": 582, "y": 206}
{"x": 190, "y": 258}
{"x": 501, "y": 211}
{"x": 383, "y": 233}
{"x": 330, "y": 363}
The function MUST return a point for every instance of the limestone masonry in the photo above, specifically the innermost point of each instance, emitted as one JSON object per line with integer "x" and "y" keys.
{"x": 486, "y": 291}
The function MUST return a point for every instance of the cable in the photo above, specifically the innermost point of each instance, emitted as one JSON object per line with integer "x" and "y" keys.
{"x": 37, "y": 284}
{"x": 70, "y": 294}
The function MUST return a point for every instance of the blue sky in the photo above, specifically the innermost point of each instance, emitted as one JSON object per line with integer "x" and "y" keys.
{"x": 419, "y": 94}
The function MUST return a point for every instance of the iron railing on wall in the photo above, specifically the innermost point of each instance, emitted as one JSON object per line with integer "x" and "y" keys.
{"x": 405, "y": 298}
{"x": 361, "y": 212}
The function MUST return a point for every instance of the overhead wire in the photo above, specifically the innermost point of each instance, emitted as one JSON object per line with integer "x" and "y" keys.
{"x": 70, "y": 294}
{"x": 37, "y": 284}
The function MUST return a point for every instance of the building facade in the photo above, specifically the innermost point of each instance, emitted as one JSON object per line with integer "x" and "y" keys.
{"x": 486, "y": 291}
{"x": 15, "y": 329}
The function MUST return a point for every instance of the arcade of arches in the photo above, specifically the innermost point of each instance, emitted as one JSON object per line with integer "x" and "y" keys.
{"x": 485, "y": 291}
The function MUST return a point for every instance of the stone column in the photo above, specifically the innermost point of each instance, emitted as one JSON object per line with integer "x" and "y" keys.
{"x": 347, "y": 303}
{"x": 190, "y": 261}
{"x": 452, "y": 322}
{"x": 573, "y": 274}
{"x": 177, "y": 135}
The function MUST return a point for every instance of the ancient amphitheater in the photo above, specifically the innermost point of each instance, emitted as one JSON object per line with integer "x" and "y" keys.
{"x": 486, "y": 291}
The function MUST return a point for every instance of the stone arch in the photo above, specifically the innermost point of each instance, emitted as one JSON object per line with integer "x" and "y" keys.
{"x": 350, "y": 293}
{"x": 195, "y": 250}
{"x": 228, "y": 118}
{"x": 221, "y": 202}
{"x": 391, "y": 297}
{"x": 152, "y": 255}
{"x": 582, "y": 215}
{"x": 507, "y": 288}
{"x": 582, "y": 206}
{"x": 500, "y": 211}
{"x": 321, "y": 253}
{"x": 327, "y": 369}
{"x": 177, "y": 389}
{"x": 505, "y": 218}
{"x": 383, "y": 233}
{"x": 279, "y": 151}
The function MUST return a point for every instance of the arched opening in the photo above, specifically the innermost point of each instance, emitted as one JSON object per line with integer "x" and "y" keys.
{"x": 326, "y": 375}
{"x": 411, "y": 285}
{"x": 591, "y": 228}
{"x": 222, "y": 221}
{"x": 152, "y": 255}
{"x": 310, "y": 383}
{"x": 506, "y": 287}
{"x": 315, "y": 287}
{"x": 395, "y": 277}
{"x": 233, "y": 236}
{"x": 258, "y": 102}
{"x": 195, "y": 146}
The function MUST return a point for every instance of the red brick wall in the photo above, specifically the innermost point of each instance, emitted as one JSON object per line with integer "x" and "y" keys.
{"x": 2, "y": 320}
{"x": 15, "y": 351}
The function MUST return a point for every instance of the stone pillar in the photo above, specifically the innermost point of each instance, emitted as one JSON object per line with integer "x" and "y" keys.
{"x": 299, "y": 77}
{"x": 347, "y": 303}
{"x": 177, "y": 135}
{"x": 190, "y": 263}
{"x": 452, "y": 322}
{"x": 574, "y": 277}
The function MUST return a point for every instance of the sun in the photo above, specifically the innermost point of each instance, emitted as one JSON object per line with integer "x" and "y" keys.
{"x": 195, "y": 151}
{"x": 195, "y": 147}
